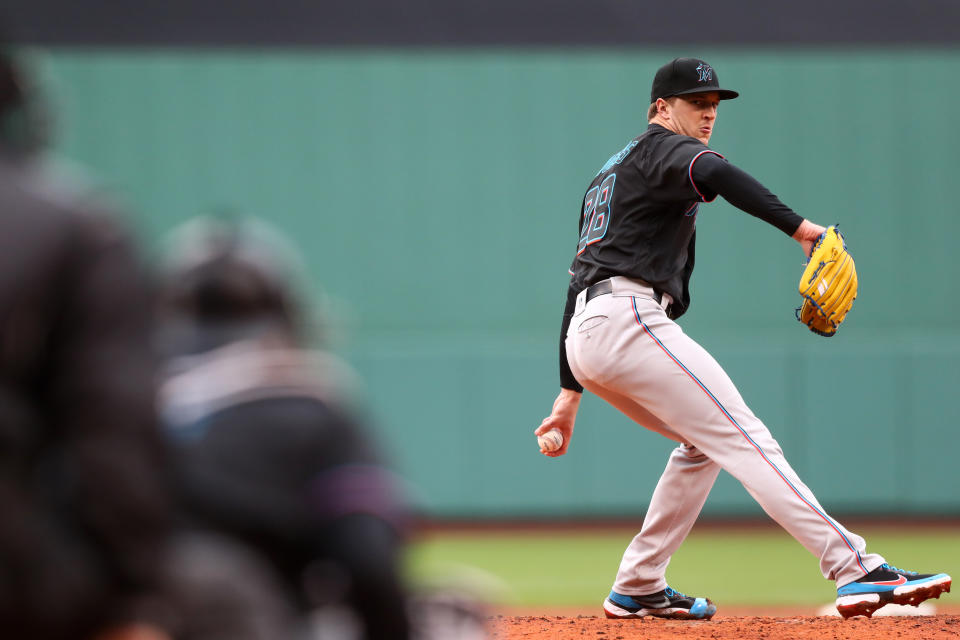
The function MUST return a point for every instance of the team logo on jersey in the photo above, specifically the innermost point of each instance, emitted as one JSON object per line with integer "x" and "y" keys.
{"x": 618, "y": 157}
{"x": 705, "y": 72}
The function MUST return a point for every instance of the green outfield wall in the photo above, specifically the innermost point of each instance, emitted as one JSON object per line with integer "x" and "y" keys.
{"x": 435, "y": 195}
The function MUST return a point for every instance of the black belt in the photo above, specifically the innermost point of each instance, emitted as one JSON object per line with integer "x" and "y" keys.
{"x": 604, "y": 287}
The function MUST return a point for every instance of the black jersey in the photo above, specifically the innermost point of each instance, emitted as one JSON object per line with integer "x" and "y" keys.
{"x": 639, "y": 216}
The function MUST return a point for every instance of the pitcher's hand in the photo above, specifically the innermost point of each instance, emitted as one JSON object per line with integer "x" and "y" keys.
{"x": 562, "y": 418}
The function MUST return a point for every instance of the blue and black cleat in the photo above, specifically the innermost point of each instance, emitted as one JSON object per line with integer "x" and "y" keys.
{"x": 885, "y": 585}
{"x": 662, "y": 604}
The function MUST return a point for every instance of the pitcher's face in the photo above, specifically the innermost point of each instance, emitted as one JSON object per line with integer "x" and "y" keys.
{"x": 694, "y": 114}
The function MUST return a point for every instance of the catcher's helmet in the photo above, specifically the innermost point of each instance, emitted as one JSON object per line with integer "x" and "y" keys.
{"x": 219, "y": 271}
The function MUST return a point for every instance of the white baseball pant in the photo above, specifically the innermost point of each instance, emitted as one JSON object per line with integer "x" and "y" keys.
{"x": 623, "y": 347}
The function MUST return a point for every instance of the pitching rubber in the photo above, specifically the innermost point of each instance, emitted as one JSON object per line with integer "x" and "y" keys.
{"x": 864, "y": 604}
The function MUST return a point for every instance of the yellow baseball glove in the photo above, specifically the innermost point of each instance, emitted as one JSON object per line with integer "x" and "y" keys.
{"x": 828, "y": 284}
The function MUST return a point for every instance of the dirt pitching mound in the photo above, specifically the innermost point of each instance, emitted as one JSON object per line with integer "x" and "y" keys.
{"x": 725, "y": 628}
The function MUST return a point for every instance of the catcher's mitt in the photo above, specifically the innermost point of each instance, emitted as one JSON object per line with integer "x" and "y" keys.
{"x": 828, "y": 284}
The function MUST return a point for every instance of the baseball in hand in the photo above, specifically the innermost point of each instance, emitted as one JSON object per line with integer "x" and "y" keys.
{"x": 551, "y": 440}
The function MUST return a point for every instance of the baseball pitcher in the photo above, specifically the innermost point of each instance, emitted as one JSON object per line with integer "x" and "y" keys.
{"x": 620, "y": 340}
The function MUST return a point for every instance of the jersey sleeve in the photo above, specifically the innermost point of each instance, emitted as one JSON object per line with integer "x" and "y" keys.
{"x": 704, "y": 189}
{"x": 715, "y": 175}
{"x": 567, "y": 379}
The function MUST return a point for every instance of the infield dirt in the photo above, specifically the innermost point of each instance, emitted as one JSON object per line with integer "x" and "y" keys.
{"x": 505, "y": 627}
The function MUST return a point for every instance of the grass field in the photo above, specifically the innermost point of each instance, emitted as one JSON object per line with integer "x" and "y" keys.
{"x": 575, "y": 568}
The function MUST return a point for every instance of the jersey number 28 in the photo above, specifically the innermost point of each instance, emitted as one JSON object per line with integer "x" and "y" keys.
{"x": 596, "y": 213}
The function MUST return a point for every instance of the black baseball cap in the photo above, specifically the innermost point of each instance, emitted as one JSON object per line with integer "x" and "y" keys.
{"x": 687, "y": 75}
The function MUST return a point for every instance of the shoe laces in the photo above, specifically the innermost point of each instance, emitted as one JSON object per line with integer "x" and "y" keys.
{"x": 890, "y": 567}
{"x": 673, "y": 592}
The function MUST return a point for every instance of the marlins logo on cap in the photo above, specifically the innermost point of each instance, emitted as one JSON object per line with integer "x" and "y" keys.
{"x": 705, "y": 72}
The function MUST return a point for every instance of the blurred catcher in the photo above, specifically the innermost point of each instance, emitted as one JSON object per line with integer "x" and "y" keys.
{"x": 268, "y": 450}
